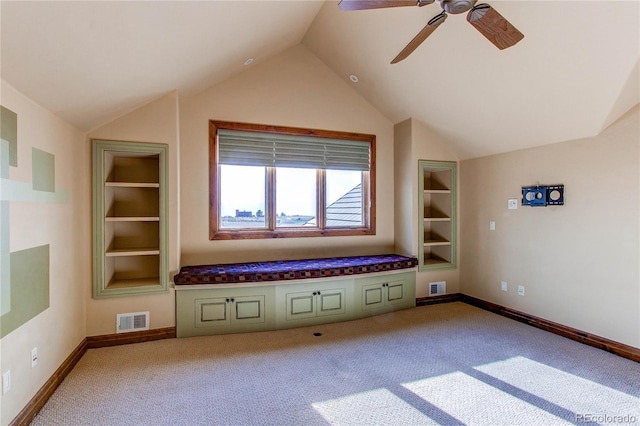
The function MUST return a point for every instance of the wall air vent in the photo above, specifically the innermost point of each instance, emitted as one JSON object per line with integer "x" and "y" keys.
{"x": 134, "y": 321}
{"x": 437, "y": 288}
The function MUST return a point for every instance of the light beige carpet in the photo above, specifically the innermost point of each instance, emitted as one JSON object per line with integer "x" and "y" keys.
{"x": 439, "y": 364}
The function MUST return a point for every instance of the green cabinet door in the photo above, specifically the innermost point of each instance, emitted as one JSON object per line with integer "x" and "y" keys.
{"x": 386, "y": 293}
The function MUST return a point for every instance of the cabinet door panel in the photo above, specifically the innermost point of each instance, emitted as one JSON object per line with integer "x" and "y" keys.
{"x": 331, "y": 302}
{"x": 220, "y": 311}
{"x": 395, "y": 292}
{"x": 372, "y": 296}
{"x": 249, "y": 309}
{"x": 386, "y": 293}
{"x": 402, "y": 292}
{"x": 300, "y": 305}
{"x": 211, "y": 312}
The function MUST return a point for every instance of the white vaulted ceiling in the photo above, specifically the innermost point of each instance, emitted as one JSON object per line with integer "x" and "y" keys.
{"x": 573, "y": 74}
{"x": 90, "y": 61}
{"x": 559, "y": 83}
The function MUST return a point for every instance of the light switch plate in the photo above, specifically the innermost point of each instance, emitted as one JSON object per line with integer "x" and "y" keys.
{"x": 492, "y": 226}
{"x": 513, "y": 203}
{"x": 6, "y": 381}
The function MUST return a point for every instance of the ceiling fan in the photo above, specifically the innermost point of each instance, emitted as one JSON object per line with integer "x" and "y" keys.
{"x": 483, "y": 17}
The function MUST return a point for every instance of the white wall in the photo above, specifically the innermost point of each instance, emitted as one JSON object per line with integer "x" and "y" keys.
{"x": 292, "y": 89}
{"x": 415, "y": 141}
{"x": 579, "y": 263}
{"x": 155, "y": 122}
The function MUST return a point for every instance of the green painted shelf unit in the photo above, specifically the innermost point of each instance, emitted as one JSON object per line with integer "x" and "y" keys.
{"x": 437, "y": 201}
{"x": 130, "y": 196}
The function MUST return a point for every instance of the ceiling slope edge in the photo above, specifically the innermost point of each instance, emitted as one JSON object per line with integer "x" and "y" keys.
{"x": 448, "y": 147}
{"x": 629, "y": 97}
{"x": 634, "y": 110}
{"x": 131, "y": 110}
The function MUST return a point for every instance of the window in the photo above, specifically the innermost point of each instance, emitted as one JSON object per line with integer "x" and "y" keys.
{"x": 272, "y": 182}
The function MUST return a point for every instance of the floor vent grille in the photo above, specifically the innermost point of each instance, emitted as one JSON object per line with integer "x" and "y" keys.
{"x": 134, "y": 321}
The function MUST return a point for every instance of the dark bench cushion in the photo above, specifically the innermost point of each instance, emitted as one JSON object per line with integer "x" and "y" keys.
{"x": 291, "y": 269}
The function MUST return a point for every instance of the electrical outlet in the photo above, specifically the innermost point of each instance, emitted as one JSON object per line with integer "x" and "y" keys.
{"x": 6, "y": 382}
{"x": 503, "y": 285}
{"x": 34, "y": 357}
{"x": 492, "y": 226}
{"x": 520, "y": 290}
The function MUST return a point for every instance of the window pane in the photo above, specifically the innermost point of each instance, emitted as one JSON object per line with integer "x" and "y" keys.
{"x": 296, "y": 197}
{"x": 344, "y": 198}
{"x": 290, "y": 199}
{"x": 242, "y": 198}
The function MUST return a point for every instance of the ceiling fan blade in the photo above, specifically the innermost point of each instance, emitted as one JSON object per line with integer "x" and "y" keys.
{"x": 374, "y": 4}
{"x": 494, "y": 26}
{"x": 420, "y": 37}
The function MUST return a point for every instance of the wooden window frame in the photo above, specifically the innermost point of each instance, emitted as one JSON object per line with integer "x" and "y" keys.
{"x": 368, "y": 189}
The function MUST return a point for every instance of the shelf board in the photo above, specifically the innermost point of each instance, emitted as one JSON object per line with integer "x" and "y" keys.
{"x": 434, "y": 261}
{"x": 437, "y": 219}
{"x": 437, "y": 191}
{"x": 431, "y": 243}
{"x": 132, "y": 219}
{"x": 132, "y": 184}
{"x": 146, "y": 251}
{"x": 134, "y": 282}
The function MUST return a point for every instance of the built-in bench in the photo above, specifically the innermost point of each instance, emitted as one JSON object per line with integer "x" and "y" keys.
{"x": 251, "y": 272}
{"x": 254, "y": 296}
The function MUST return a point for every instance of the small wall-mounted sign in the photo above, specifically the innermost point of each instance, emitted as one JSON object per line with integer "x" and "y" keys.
{"x": 543, "y": 195}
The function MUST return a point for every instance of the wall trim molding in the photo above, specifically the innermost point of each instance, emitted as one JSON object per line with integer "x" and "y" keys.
{"x": 434, "y": 300}
{"x": 608, "y": 345}
{"x": 611, "y": 346}
{"x": 36, "y": 403}
{"x": 41, "y": 397}
{"x": 105, "y": 340}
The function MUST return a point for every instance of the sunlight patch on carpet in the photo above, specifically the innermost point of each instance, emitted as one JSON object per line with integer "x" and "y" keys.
{"x": 563, "y": 389}
{"x": 474, "y": 402}
{"x": 376, "y": 407}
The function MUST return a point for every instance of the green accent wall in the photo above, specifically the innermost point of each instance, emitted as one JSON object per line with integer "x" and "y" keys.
{"x": 5, "y": 289}
{"x": 9, "y": 132}
{"x": 43, "y": 173}
{"x": 29, "y": 287}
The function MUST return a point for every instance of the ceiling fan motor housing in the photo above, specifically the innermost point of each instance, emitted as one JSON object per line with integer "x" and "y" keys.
{"x": 457, "y": 6}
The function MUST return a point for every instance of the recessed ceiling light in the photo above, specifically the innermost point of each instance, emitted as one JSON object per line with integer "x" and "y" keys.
{"x": 353, "y": 78}
{"x": 248, "y": 61}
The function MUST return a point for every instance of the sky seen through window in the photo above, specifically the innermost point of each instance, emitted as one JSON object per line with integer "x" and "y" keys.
{"x": 243, "y": 189}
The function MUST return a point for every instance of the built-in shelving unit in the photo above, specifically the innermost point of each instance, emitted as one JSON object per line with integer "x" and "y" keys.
{"x": 437, "y": 201}
{"x": 130, "y": 218}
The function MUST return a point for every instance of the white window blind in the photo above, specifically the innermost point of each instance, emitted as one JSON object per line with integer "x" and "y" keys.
{"x": 243, "y": 148}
